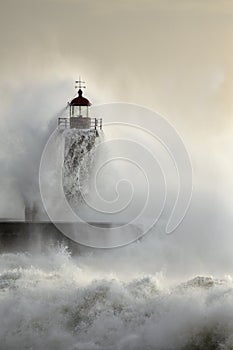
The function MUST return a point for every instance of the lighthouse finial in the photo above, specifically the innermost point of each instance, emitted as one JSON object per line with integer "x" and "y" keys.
{"x": 80, "y": 84}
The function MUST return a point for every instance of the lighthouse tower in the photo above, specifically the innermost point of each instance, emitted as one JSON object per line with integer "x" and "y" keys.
{"x": 79, "y": 113}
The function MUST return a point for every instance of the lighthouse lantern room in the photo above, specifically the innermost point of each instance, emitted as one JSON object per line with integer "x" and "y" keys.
{"x": 79, "y": 114}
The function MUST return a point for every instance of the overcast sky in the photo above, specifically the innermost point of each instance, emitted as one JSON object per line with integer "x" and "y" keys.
{"x": 174, "y": 56}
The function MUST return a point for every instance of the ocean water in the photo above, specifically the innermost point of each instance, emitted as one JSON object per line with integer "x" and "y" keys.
{"x": 120, "y": 299}
{"x": 53, "y": 300}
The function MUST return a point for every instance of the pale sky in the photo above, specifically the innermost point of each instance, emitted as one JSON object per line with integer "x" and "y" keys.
{"x": 174, "y": 56}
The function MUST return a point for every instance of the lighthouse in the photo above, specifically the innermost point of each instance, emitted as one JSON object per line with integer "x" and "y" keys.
{"x": 79, "y": 113}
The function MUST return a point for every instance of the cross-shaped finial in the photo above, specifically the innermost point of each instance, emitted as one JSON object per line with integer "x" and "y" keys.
{"x": 80, "y": 84}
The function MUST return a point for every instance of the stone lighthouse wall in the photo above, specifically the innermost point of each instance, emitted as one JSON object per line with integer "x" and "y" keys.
{"x": 78, "y": 158}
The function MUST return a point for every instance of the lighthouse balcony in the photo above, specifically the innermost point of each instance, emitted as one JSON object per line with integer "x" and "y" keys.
{"x": 80, "y": 123}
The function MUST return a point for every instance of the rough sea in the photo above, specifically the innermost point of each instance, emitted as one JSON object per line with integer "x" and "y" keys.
{"x": 52, "y": 300}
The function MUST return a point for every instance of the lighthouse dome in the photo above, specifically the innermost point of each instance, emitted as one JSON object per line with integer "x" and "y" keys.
{"x": 80, "y": 100}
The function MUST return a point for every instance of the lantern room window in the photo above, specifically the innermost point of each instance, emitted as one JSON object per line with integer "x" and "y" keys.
{"x": 79, "y": 111}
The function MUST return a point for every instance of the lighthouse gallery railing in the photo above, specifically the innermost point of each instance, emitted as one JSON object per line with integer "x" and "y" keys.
{"x": 95, "y": 123}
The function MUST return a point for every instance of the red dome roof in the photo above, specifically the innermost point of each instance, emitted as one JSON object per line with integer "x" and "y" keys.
{"x": 80, "y": 100}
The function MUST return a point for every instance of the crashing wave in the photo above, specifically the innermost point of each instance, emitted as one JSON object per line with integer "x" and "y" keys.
{"x": 202, "y": 282}
{"x": 54, "y": 301}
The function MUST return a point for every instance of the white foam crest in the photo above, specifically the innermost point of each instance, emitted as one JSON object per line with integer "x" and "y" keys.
{"x": 51, "y": 301}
